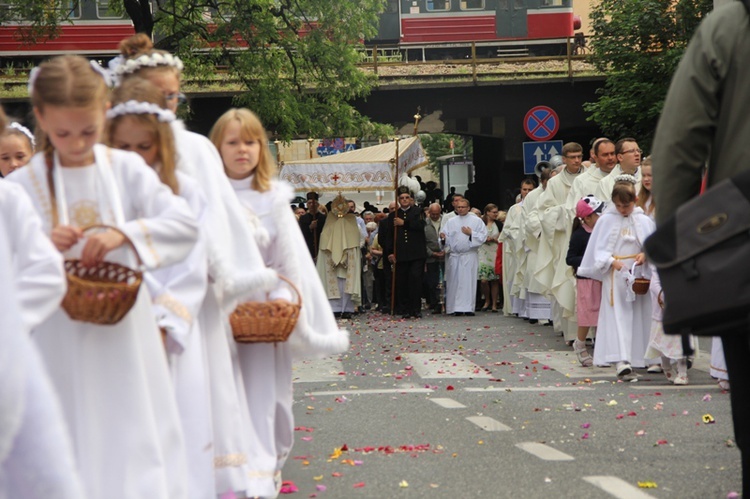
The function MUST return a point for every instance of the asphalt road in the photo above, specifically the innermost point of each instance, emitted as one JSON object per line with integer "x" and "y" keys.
{"x": 490, "y": 406}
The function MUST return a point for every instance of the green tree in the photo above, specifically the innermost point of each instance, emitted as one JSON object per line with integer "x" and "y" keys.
{"x": 295, "y": 59}
{"x": 439, "y": 144}
{"x": 638, "y": 44}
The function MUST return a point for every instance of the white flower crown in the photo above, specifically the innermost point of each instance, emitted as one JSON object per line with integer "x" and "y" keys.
{"x": 121, "y": 66}
{"x": 17, "y": 126}
{"x": 136, "y": 107}
{"x": 626, "y": 178}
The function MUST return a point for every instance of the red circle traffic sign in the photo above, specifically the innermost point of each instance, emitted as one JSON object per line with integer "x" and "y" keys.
{"x": 541, "y": 123}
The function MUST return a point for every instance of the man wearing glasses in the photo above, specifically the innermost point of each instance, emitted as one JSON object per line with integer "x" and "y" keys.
{"x": 629, "y": 161}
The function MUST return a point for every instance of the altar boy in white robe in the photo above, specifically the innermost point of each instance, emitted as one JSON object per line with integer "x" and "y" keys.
{"x": 462, "y": 237}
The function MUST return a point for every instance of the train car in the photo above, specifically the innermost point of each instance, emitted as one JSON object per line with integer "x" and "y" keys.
{"x": 95, "y": 30}
{"x": 441, "y": 28}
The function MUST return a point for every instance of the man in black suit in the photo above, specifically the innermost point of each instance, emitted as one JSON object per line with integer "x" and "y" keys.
{"x": 407, "y": 251}
{"x": 311, "y": 224}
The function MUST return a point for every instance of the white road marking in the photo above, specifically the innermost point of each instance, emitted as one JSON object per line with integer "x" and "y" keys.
{"x": 444, "y": 365}
{"x": 565, "y": 362}
{"x": 528, "y": 389}
{"x": 448, "y": 403}
{"x": 617, "y": 487}
{"x": 657, "y": 388}
{"x": 372, "y": 391}
{"x": 544, "y": 452}
{"x": 317, "y": 371}
{"x": 488, "y": 424}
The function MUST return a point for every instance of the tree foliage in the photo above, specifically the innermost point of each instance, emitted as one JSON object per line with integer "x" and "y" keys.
{"x": 439, "y": 144}
{"x": 295, "y": 59}
{"x": 638, "y": 44}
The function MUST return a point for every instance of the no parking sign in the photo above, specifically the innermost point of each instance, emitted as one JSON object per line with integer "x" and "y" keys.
{"x": 541, "y": 123}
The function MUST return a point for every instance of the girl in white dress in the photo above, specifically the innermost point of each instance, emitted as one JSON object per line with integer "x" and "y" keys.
{"x": 16, "y": 148}
{"x": 139, "y": 122}
{"x": 36, "y": 454}
{"x": 616, "y": 247}
{"x": 113, "y": 381}
{"x": 235, "y": 265}
{"x": 267, "y": 367}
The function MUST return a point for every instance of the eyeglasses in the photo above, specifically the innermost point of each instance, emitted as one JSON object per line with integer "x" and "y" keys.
{"x": 179, "y": 96}
{"x": 639, "y": 151}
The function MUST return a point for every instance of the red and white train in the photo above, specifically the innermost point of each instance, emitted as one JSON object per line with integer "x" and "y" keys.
{"x": 417, "y": 28}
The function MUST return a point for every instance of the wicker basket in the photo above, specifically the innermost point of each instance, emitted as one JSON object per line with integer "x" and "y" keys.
{"x": 641, "y": 284}
{"x": 104, "y": 293}
{"x": 265, "y": 321}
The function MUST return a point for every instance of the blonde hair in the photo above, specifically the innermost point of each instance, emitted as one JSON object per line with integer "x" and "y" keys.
{"x": 141, "y": 90}
{"x": 644, "y": 194}
{"x": 66, "y": 81}
{"x": 251, "y": 128}
{"x": 138, "y": 45}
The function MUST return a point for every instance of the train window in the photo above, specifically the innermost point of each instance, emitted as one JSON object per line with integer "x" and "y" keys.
{"x": 552, "y": 3}
{"x": 105, "y": 10}
{"x": 438, "y": 5}
{"x": 472, "y": 4}
{"x": 72, "y": 8}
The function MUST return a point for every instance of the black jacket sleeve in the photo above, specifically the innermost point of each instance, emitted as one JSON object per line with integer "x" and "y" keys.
{"x": 577, "y": 247}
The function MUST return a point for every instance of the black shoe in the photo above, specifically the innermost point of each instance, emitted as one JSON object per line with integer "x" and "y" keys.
{"x": 418, "y": 315}
{"x": 533, "y": 321}
{"x": 406, "y": 316}
{"x": 346, "y": 315}
{"x": 337, "y": 315}
{"x": 470, "y": 314}
{"x": 459, "y": 314}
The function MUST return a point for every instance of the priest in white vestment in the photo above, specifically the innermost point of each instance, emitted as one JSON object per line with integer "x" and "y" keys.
{"x": 628, "y": 161}
{"x": 462, "y": 236}
{"x": 537, "y": 305}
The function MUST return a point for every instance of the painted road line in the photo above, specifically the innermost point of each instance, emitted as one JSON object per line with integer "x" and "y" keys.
{"x": 658, "y": 388}
{"x": 528, "y": 389}
{"x": 448, "y": 403}
{"x": 544, "y": 452}
{"x": 440, "y": 365}
{"x": 617, "y": 487}
{"x": 488, "y": 424}
{"x": 372, "y": 391}
{"x": 318, "y": 371}
{"x": 565, "y": 362}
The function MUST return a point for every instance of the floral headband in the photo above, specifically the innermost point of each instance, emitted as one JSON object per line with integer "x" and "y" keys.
{"x": 626, "y": 178}
{"x": 17, "y": 126}
{"x": 119, "y": 66}
{"x": 136, "y": 107}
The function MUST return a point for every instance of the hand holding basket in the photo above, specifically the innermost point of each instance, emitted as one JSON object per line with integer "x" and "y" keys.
{"x": 640, "y": 284}
{"x": 266, "y": 321}
{"x": 103, "y": 293}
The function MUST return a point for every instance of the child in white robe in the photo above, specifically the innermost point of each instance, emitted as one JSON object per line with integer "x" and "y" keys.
{"x": 16, "y": 148}
{"x": 614, "y": 249}
{"x": 112, "y": 380}
{"x": 235, "y": 265}
{"x": 36, "y": 454}
{"x": 139, "y": 122}
{"x": 718, "y": 367}
{"x": 267, "y": 367}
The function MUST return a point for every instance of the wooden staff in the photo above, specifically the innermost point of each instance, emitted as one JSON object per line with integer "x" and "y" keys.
{"x": 395, "y": 235}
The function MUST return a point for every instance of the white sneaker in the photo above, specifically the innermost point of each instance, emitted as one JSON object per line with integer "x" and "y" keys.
{"x": 681, "y": 379}
{"x": 655, "y": 369}
{"x": 623, "y": 369}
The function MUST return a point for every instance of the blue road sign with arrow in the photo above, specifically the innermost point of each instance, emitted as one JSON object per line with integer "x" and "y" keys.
{"x": 534, "y": 152}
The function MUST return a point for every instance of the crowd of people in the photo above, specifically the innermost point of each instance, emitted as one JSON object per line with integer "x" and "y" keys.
{"x": 569, "y": 254}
